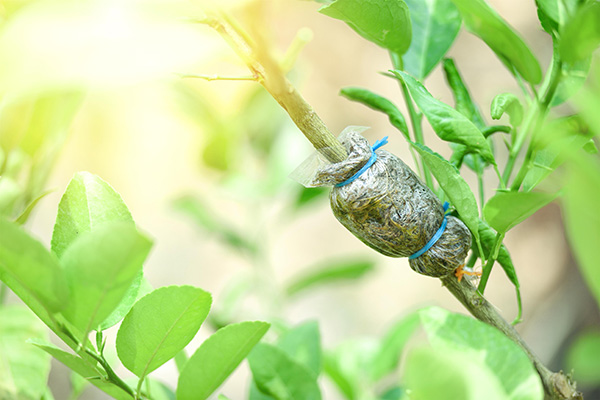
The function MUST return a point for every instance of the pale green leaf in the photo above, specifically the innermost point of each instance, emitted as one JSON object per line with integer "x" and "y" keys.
{"x": 455, "y": 187}
{"x": 302, "y": 343}
{"x": 505, "y": 210}
{"x": 581, "y": 35}
{"x": 159, "y": 326}
{"x": 583, "y": 358}
{"x": 582, "y": 221}
{"x": 349, "y": 365}
{"x": 87, "y": 203}
{"x": 28, "y": 268}
{"x": 484, "y": 22}
{"x": 507, "y": 103}
{"x": 557, "y": 11}
{"x": 24, "y": 369}
{"x": 392, "y": 344}
{"x": 82, "y": 368}
{"x": 279, "y": 376}
{"x": 449, "y": 374}
{"x": 485, "y": 346}
{"x": 449, "y": 124}
{"x": 330, "y": 272}
{"x": 379, "y": 103}
{"x": 435, "y": 24}
{"x": 385, "y": 23}
{"x": 100, "y": 267}
{"x": 217, "y": 358}
{"x": 462, "y": 98}
{"x": 139, "y": 288}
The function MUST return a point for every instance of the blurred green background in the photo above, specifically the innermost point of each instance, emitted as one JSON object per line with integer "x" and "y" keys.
{"x": 95, "y": 85}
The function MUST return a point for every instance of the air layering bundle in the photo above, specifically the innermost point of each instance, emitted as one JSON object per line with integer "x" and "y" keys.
{"x": 383, "y": 203}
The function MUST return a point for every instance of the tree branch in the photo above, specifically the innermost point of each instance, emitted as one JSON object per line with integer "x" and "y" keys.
{"x": 269, "y": 73}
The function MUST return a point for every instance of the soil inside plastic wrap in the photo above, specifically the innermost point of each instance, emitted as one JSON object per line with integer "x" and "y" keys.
{"x": 387, "y": 207}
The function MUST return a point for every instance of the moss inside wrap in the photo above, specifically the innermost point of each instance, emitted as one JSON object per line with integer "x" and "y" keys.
{"x": 389, "y": 209}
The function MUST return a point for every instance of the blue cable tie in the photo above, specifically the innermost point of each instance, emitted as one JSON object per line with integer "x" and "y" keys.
{"x": 434, "y": 238}
{"x": 365, "y": 167}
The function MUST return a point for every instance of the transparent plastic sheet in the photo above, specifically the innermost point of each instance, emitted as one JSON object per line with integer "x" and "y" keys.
{"x": 388, "y": 207}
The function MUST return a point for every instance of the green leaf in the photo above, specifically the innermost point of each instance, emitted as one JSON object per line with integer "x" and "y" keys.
{"x": 138, "y": 289}
{"x": 385, "y": 23}
{"x": 581, "y": 199}
{"x": 557, "y": 11}
{"x": 159, "y": 326}
{"x": 393, "y": 393}
{"x": 581, "y": 35}
{"x": 22, "y": 218}
{"x": 507, "y": 103}
{"x": 450, "y": 374}
{"x": 505, "y": 210}
{"x": 462, "y": 98}
{"x": 349, "y": 365}
{"x": 303, "y": 345}
{"x": 435, "y": 24}
{"x": 217, "y": 358}
{"x": 100, "y": 267}
{"x": 573, "y": 77}
{"x": 342, "y": 270}
{"x": 392, "y": 344}
{"x": 483, "y": 346}
{"x": 465, "y": 105}
{"x": 23, "y": 368}
{"x": 87, "y": 203}
{"x": 583, "y": 358}
{"x": 30, "y": 270}
{"x": 559, "y": 140}
{"x": 455, "y": 187}
{"x": 449, "y": 124}
{"x": 307, "y": 196}
{"x": 158, "y": 390}
{"x": 256, "y": 394}
{"x": 82, "y": 368}
{"x": 378, "y": 103}
{"x": 279, "y": 376}
{"x": 481, "y": 20}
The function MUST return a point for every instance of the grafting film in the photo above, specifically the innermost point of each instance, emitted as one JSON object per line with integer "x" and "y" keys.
{"x": 388, "y": 208}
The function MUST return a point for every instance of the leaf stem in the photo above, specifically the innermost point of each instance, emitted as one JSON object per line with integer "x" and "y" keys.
{"x": 481, "y": 189}
{"x": 519, "y": 307}
{"x": 3, "y": 292}
{"x": 487, "y": 268}
{"x": 534, "y": 118}
{"x": 500, "y": 178}
{"x": 138, "y": 390}
{"x": 415, "y": 117}
{"x": 111, "y": 376}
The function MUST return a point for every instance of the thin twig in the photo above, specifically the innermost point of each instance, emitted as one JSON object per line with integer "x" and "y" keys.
{"x": 270, "y": 75}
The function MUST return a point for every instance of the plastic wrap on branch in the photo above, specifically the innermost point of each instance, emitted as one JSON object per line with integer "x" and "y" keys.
{"x": 388, "y": 207}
